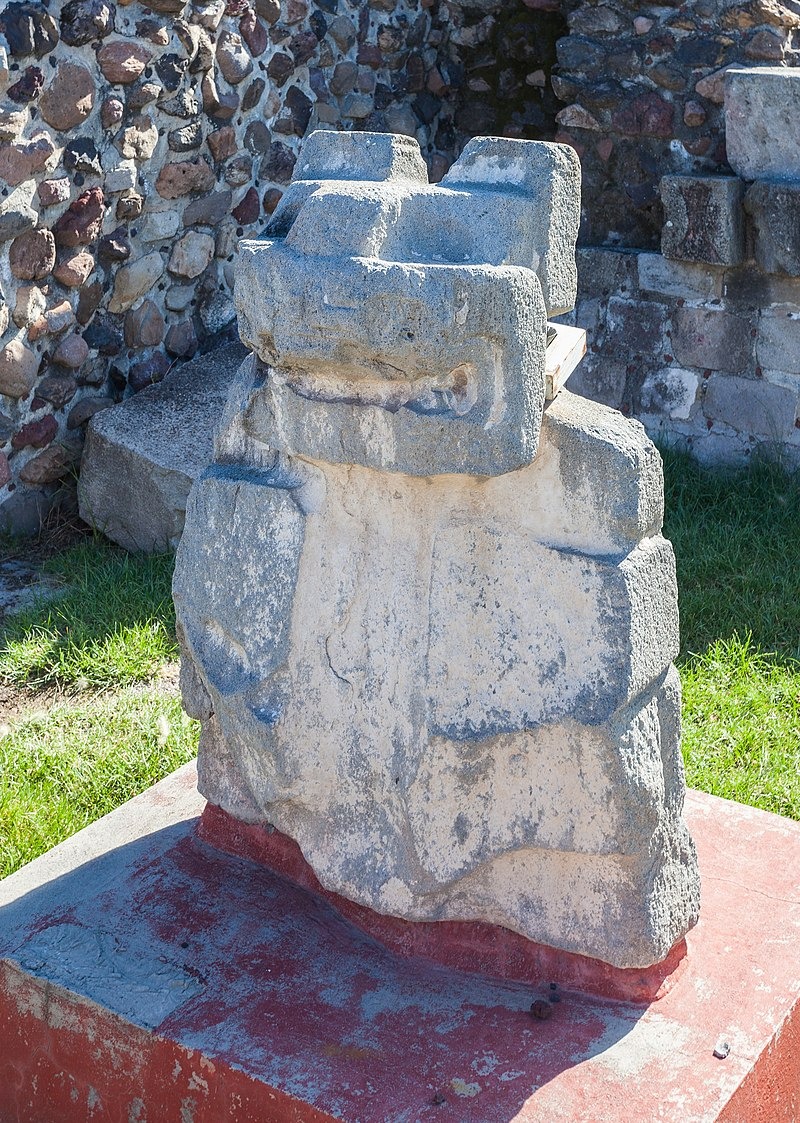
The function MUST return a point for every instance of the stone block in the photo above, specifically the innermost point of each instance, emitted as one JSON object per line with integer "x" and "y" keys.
{"x": 762, "y": 122}
{"x": 778, "y": 341}
{"x": 669, "y": 391}
{"x": 636, "y": 328}
{"x": 142, "y": 456}
{"x": 703, "y": 219}
{"x": 751, "y": 405}
{"x": 712, "y": 339}
{"x": 427, "y": 618}
{"x": 604, "y": 272}
{"x": 775, "y": 212}
{"x": 680, "y": 279}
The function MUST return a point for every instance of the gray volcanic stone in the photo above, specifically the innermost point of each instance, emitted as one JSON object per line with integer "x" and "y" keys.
{"x": 712, "y": 339}
{"x": 427, "y": 622}
{"x": 703, "y": 219}
{"x": 775, "y": 211}
{"x": 142, "y": 456}
{"x": 753, "y": 406}
{"x": 762, "y": 122}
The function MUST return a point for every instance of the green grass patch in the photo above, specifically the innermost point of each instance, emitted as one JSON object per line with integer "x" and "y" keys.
{"x": 63, "y": 770}
{"x": 737, "y": 544}
{"x": 113, "y": 625}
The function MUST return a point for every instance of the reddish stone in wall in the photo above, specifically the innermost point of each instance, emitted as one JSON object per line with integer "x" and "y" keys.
{"x": 649, "y": 114}
{"x": 36, "y": 434}
{"x": 82, "y": 222}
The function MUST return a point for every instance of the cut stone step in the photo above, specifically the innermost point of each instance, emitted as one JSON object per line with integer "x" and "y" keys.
{"x": 143, "y": 455}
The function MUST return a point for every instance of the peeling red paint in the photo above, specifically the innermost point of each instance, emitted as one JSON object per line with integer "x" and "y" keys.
{"x": 463, "y": 945}
{"x": 295, "y": 1015}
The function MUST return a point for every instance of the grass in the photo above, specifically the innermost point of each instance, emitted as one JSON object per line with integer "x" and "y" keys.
{"x": 737, "y": 542}
{"x": 106, "y": 739}
{"x": 737, "y": 545}
{"x": 61, "y": 771}
{"x": 114, "y": 624}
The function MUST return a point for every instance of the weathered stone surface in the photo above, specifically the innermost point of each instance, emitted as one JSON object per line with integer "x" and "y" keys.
{"x": 23, "y": 159}
{"x": 222, "y": 143}
{"x": 72, "y": 352}
{"x": 181, "y": 339}
{"x": 753, "y": 406}
{"x": 703, "y": 219}
{"x": 53, "y": 322}
{"x": 209, "y": 210}
{"x": 27, "y": 88}
{"x": 49, "y": 466}
{"x": 775, "y": 211}
{"x": 16, "y": 213}
{"x": 32, "y": 255}
{"x": 191, "y": 254}
{"x": 504, "y": 744}
{"x": 18, "y": 367}
{"x": 122, "y": 62}
{"x": 12, "y": 122}
{"x": 81, "y": 156}
{"x": 184, "y": 177}
{"x": 29, "y": 29}
{"x": 74, "y": 269}
{"x": 762, "y": 122}
{"x": 111, "y": 112}
{"x": 29, "y": 305}
{"x": 148, "y": 371}
{"x": 233, "y": 58}
{"x": 69, "y": 97}
{"x": 712, "y": 339}
{"x": 134, "y": 280}
{"x": 53, "y": 191}
{"x": 83, "y": 21}
{"x": 82, "y": 222}
{"x": 142, "y": 456}
{"x": 778, "y": 343}
{"x": 85, "y": 410}
{"x": 114, "y": 247}
{"x": 144, "y": 326}
{"x": 58, "y": 389}
{"x": 670, "y": 392}
{"x": 138, "y": 140}
{"x": 36, "y": 434}
{"x": 186, "y": 138}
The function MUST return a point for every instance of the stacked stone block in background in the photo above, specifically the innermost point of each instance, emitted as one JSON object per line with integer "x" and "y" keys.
{"x": 708, "y": 357}
{"x": 703, "y": 343}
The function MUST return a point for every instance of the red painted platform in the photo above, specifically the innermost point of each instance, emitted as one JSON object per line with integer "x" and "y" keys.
{"x": 147, "y": 977}
{"x": 470, "y": 946}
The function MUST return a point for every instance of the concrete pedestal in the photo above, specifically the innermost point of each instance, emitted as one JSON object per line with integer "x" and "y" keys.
{"x": 146, "y": 977}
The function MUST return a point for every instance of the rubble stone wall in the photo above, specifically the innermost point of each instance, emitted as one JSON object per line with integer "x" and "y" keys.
{"x": 138, "y": 143}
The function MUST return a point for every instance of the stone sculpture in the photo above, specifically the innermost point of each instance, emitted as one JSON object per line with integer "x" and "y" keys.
{"x": 428, "y": 622}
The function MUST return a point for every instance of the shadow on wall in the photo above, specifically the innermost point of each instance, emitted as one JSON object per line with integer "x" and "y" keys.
{"x": 507, "y": 58}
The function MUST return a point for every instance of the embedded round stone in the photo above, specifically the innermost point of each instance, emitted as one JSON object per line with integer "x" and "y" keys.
{"x": 72, "y": 352}
{"x": 69, "y": 98}
{"x": 184, "y": 177}
{"x": 191, "y": 254}
{"x": 122, "y": 62}
{"x": 74, "y": 270}
{"x": 32, "y": 255}
{"x": 18, "y": 367}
